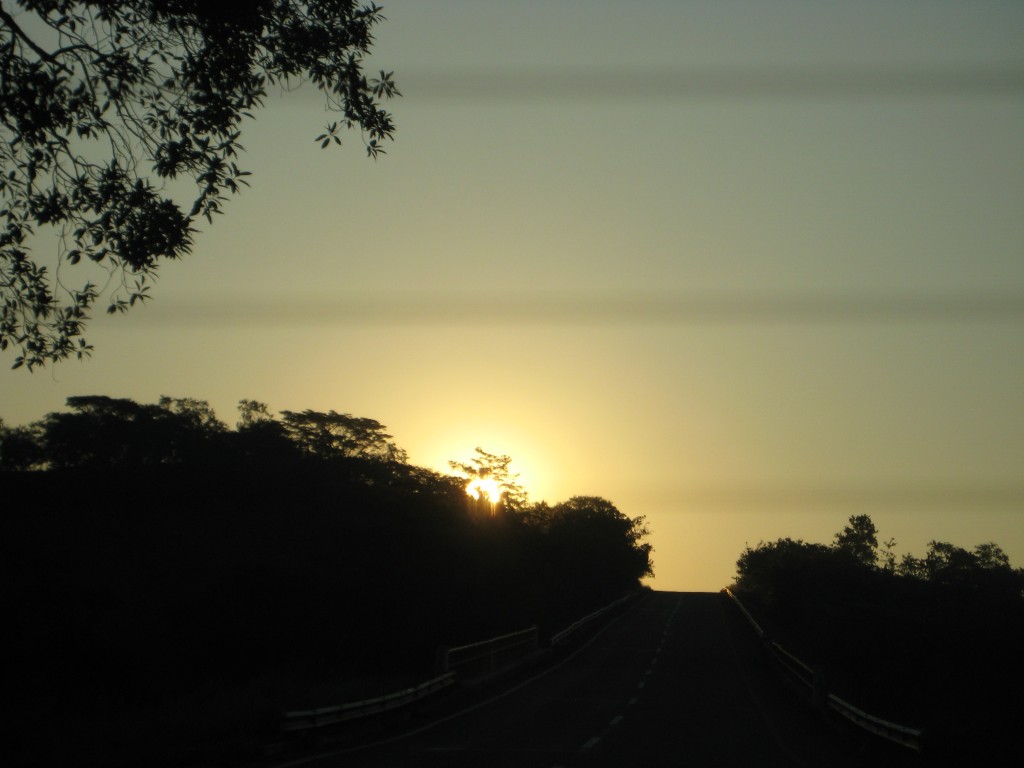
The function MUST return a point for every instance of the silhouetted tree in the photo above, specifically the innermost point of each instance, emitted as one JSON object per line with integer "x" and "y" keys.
{"x": 911, "y": 566}
{"x": 932, "y": 641}
{"x": 778, "y": 570}
{"x": 990, "y": 556}
{"x": 340, "y": 435}
{"x": 987, "y": 566}
{"x": 197, "y": 414}
{"x": 102, "y": 431}
{"x": 888, "y": 557}
{"x": 859, "y": 539}
{"x": 259, "y": 437}
{"x": 597, "y": 542}
{"x": 252, "y": 412}
{"x": 102, "y": 102}
{"x": 491, "y": 466}
{"x": 192, "y": 430}
{"x": 945, "y": 562}
{"x": 198, "y": 573}
{"x": 20, "y": 448}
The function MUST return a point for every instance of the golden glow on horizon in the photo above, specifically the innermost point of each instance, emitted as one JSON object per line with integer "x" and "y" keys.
{"x": 452, "y": 435}
{"x": 642, "y": 408}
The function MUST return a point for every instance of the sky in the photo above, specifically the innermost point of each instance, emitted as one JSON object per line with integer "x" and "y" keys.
{"x": 744, "y": 268}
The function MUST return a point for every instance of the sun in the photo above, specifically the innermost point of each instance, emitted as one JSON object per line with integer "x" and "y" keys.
{"x": 485, "y": 487}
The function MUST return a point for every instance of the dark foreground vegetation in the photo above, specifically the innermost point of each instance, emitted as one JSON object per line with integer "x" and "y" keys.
{"x": 934, "y": 642}
{"x": 172, "y": 584}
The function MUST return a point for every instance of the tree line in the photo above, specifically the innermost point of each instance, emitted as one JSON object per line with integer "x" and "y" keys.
{"x": 160, "y": 558}
{"x": 926, "y": 641}
{"x": 101, "y": 431}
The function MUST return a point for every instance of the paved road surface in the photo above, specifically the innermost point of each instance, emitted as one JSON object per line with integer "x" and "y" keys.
{"x": 677, "y": 680}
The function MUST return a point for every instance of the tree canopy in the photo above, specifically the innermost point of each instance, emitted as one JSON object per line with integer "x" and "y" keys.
{"x": 293, "y": 546}
{"x": 792, "y": 565}
{"x": 492, "y": 466}
{"x": 211, "y": 557}
{"x": 110, "y": 111}
{"x": 102, "y": 431}
{"x": 593, "y": 536}
{"x": 921, "y": 641}
{"x": 859, "y": 539}
{"x": 332, "y": 434}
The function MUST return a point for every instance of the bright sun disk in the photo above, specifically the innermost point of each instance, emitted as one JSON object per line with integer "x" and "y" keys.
{"x": 484, "y": 486}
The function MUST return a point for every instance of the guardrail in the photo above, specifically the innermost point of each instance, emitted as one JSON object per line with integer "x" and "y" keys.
{"x": 315, "y": 718}
{"x": 560, "y": 638}
{"x": 487, "y": 657}
{"x": 913, "y": 738}
{"x": 475, "y": 661}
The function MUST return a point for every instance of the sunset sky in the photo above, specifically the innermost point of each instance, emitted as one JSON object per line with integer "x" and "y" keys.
{"x": 743, "y": 267}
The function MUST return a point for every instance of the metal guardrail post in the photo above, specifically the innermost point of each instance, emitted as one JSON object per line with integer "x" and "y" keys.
{"x": 819, "y": 690}
{"x": 487, "y": 657}
{"x": 441, "y": 660}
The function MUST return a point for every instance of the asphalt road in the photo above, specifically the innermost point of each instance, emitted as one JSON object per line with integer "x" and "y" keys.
{"x": 676, "y": 680}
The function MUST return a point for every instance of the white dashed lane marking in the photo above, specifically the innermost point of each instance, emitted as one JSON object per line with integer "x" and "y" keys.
{"x": 591, "y": 743}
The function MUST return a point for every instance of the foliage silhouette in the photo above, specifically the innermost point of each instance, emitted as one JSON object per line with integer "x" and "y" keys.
{"x": 104, "y": 431}
{"x": 930, "y": 641}
{"x": 491, "y": 466}
{"x": 859, "y": 539}
{"x": 217, "y": 561}
{"x": 589, "y": 534}
{"x": 104, "y": 103}
{"x": 339, "y": 435}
